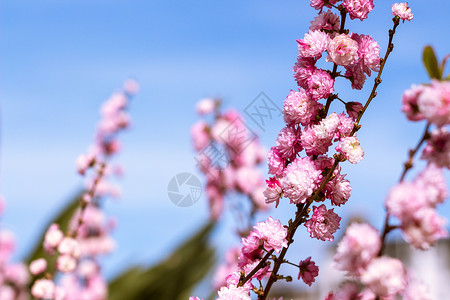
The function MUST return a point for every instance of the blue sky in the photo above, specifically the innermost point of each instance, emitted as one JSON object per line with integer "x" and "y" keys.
{"x": 61, "y": 59}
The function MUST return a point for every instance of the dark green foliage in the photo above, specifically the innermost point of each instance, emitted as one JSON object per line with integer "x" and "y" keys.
{"x": 174, "y": 278}
{"x": 431, "y": 63}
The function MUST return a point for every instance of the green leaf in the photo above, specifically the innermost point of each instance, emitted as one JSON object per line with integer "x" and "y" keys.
{"x": 443, "y": 63}
{"x": 431, "y": 63}
{"x": 174, "y": 278}
{"x": 63, "y": 219}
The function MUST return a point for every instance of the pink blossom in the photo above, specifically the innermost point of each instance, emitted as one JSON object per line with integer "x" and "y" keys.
{"x": 437, "y": 149}
{"x": 7, "y": 293}
{"x": 358, "y": 8}
{"x": 413, "y": 203}
{"x": 425, "y": 229}
{"x": 106, "y": 188}
{"x": 300, "y": 108}
{"x": 260, "y": 274}
{"x": 87, "y": 197}
{"x": 308, "y": 270}
{"x": 320, "y": 84}
{"x": 342, "y": 50}
{"x": 85, "y": 161}
{"x": 66, "y": 263}
{"x": 303, "y": 69}
{"x": 319, "y": 4}
{"x": 323, "y": 223}
{"x": 273, "y": 191}
{"x": 402, "y": 10}
{"x": 300, "y": 180}
{"x": 288, "y": 143}
{"x": 38, "y": 266}
{"x": 348, "y": 291}
{"x": 53, "y": 237}
{"x": 328, "y": 126}
{"x": 353, "y": 109}
{"x": 417, "y": 290}
{"x": 317, "y": 138}
{"x": 16, "y": 273}
{"x": 69, "y": 246}
{"x": 356, "y": 75}
{"x": 432, "y": 181}
{"x": 194, "y": 298}
{"x": 272, "y": 233}
{"x": 258, "y": 199}
{"x": 97, "y": 245}
{"x": 7, "y": 245}
{"x": 346, "y": 123}
{"x": 43, "y": 289}
{"x": 434, "y": 102}
{"x": 368, "y": 53}
{"x": 248, "y": 179}
{"x": 360, "y": 244}
{"x": 215, "y": 198}
{"x": 200, "y": 137}
{"x": 131, "y": 86}
{"x": 220, "y": 130}
{"x": 368, "y": 294}
{"x": 313, "y": 44}
{"x": 233, "y": 279}
{"x": 228, "y": 267}
{"x": 351, "y": 149}
{"x": 410, "y": 105}
{"x": 276, "y": 162}
{"x": 87, "y": 269}
{"x": 116, "y": 103}
{"x": 338, "y": 190}
{"x": 405, "y": 200}
{"x": 251, "y": 249}
{"x": 328, "y": 21}
{"x": 251, "y": 155}
{"x": 323, "y": 162}
{"x": 206, "y": 106}
{"x": 385, "y": 276}
{"x": 233, "y": 292}
{"x": 113, "y": 119}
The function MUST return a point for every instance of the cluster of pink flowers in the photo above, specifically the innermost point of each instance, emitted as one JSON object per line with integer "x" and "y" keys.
{"x": 379, "y": 276}
{"x": 228, "y": 153}
{"x": 297, "y": 177}
{"x": 413, "y": 203}
{"x": 77, "y": 250}
{"x": 306, "y": 171}
{"x": 270, "y": 235}
{"x": 428, "y": 102}
{"x": 14, "y": 276}
{"x": 359, "y": 54}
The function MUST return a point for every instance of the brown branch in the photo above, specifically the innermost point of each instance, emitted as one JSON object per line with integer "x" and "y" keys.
{"x": 378, "y": 80}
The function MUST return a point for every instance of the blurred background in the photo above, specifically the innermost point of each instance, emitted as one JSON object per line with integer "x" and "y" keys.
{"x": 61, "y": 59}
